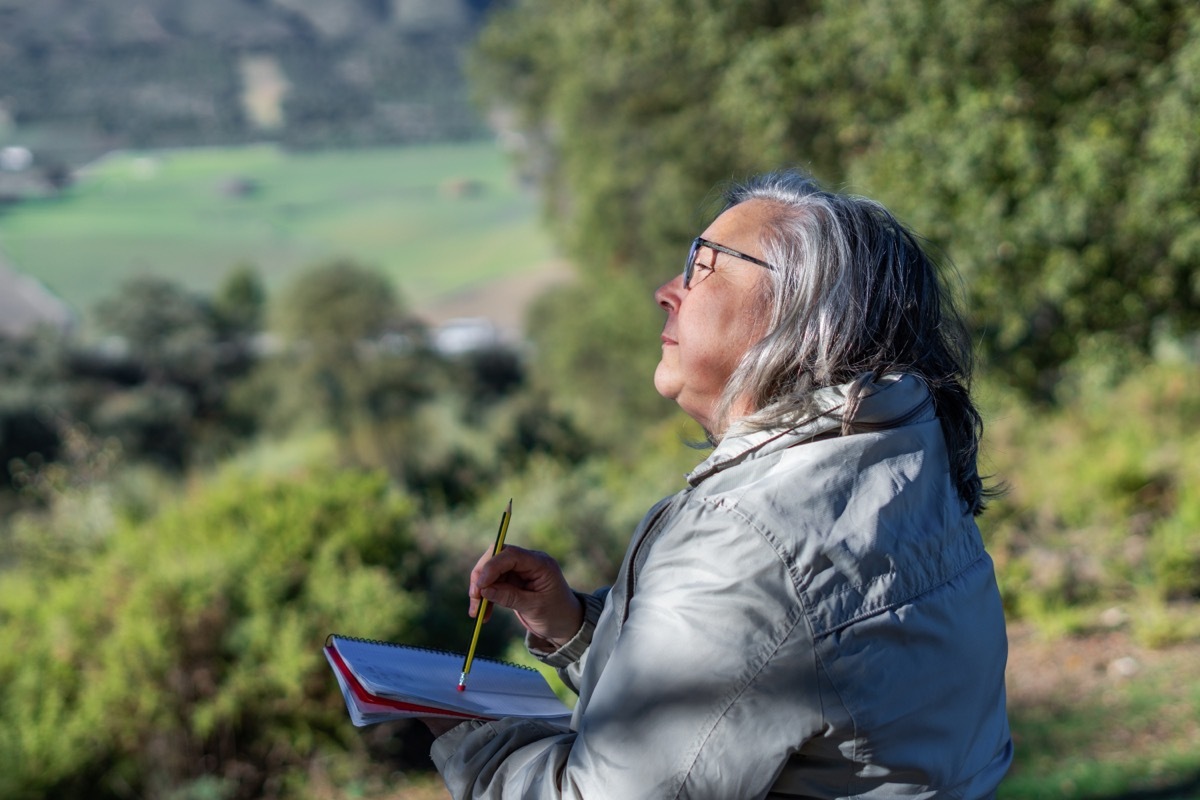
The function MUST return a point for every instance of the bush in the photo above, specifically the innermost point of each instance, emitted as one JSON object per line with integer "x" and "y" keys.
{"x": 189, "y": 648}
{"x": 1174, "y": 549}
{"x": 1100, "y": 507}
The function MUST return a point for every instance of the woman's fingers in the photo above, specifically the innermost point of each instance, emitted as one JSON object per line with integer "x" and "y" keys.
{"x": 530, "y": 583}
{"x": 509, "y": 567}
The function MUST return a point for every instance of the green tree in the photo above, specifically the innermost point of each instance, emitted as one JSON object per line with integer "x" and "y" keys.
{"x": 1048, "y": 145}
{"x": 163, "y": 326}
{"x": 619, "y": 107}
{"x": 334, "y": 306}
{"x": 1051, "y": 147}
{"x": 618, "y": 104}
{"x": 334, "y": 318}
{"x": 165, "y": 388}
{"x": 240, "y": 301}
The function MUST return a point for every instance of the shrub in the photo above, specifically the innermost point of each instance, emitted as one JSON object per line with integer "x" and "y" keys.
{"x": 189, "y": 648}
{"x": 1100, "y": 506}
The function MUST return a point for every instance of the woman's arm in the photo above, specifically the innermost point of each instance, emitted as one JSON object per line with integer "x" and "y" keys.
{"x": 709, "y": 684}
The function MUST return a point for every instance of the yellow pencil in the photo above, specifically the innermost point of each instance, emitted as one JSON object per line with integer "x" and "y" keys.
{"x": 462, "y": 679}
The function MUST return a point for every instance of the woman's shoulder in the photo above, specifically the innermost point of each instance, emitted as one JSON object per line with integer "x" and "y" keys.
{"x": 790, "y": 472}
{"x": 862, "y": 521}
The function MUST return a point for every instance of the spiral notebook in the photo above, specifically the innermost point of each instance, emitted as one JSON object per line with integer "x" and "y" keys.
{"x": 383, "y": 681}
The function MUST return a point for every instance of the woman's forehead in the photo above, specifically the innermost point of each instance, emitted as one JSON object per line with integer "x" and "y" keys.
{"x": 739, "y": 227}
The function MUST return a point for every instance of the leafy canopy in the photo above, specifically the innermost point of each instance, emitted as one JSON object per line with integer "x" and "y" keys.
{"x": 1048, "y": 145}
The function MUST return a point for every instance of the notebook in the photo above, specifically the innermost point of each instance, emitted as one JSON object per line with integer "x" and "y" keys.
{"x": 383, "y": 681}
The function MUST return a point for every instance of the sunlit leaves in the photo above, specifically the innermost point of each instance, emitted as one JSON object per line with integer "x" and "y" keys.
{"x": 1049, "y": 146}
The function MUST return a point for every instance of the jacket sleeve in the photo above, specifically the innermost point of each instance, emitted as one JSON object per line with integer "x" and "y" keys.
{"x": 570, "y": 658}
{"x": 710, "y": 685}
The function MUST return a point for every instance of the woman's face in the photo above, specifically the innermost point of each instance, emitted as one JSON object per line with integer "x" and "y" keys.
{"x": 710, "y": 326}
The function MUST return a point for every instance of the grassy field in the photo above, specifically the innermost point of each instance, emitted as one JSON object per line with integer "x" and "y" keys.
{"x": 438, "y": 219}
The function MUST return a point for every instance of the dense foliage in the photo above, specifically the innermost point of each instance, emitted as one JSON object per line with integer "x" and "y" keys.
{"x": 186, "y": 647}
{"x": 1049, "y": 146}
{"x": 1102, "y": 506}
{"x": 160, "y": 383}
{"x": 181, "y": 381}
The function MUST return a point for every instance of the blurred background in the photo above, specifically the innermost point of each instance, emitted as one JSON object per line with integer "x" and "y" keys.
{"x": 295, "y": 294}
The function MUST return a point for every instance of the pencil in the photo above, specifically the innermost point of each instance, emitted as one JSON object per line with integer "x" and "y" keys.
{"x": 462, "y": 679}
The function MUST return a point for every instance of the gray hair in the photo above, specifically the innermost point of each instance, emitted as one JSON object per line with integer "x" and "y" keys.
{"x": 853, "y": 296}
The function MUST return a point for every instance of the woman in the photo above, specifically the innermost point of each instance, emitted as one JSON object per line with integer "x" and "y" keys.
{"x": 814, "y": 615}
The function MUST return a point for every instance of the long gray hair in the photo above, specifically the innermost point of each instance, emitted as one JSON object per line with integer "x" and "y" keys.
{"x": 853, "y": 296}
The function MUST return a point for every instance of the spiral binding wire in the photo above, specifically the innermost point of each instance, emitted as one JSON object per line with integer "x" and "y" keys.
{"x": 329, "y": 641}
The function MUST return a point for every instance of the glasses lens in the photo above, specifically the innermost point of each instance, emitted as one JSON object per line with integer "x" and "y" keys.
{"x": 690, "y": 265}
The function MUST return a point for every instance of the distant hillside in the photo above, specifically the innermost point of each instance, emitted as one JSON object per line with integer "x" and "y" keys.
{"x": 108, "y": 73}
{"x": 25, "y": 304}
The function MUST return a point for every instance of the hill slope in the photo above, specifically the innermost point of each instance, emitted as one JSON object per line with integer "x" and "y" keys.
{"x": 154, "y": 72}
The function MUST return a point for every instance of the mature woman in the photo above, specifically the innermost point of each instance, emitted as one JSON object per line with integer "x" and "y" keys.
{"x": 814, "y": 615}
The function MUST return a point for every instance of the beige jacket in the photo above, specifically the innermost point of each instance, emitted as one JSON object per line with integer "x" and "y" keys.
{"x": 811, "y": 617}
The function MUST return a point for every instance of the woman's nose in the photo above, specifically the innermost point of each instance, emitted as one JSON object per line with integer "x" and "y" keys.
{"x": 669, "y": 293}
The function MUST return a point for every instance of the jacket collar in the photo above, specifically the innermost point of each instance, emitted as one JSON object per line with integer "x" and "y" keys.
{"x": 893, "y": 398}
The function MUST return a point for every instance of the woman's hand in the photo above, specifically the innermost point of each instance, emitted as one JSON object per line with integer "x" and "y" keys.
{"x": 531, "y": 584}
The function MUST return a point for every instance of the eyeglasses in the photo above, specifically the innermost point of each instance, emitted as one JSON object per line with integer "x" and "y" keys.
{"x": 689, "y": 267}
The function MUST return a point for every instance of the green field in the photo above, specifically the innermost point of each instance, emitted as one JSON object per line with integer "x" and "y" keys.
{"x": 172, "y": 213}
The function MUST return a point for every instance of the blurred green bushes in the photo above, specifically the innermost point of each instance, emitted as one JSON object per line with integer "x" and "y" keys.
{"x": 187, "y": 647}
{"x": 1047, "y": 146}
{"x": 1101, "y": 508}
{"x": 163, "y": 618}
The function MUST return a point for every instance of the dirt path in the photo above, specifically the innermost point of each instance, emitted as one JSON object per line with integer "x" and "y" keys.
{"x": 503, "y": 302}
{"x": 1070, "y": 669}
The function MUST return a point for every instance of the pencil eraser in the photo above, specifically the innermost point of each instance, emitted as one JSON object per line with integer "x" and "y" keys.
{"x": 462, "y": 687}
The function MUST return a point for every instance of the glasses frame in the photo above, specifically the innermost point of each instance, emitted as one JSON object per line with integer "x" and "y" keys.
{"x": 689, "y": 267}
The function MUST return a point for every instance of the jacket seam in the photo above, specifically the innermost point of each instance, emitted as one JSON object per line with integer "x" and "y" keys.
{"x": 789, "y": 564}
{"x": 872, "y": 609}
{"x": 794, "y": 617}
{"x": 805, "y": 617}
{"x": 664, "y": 512}
{"x": 733, "y": 701}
